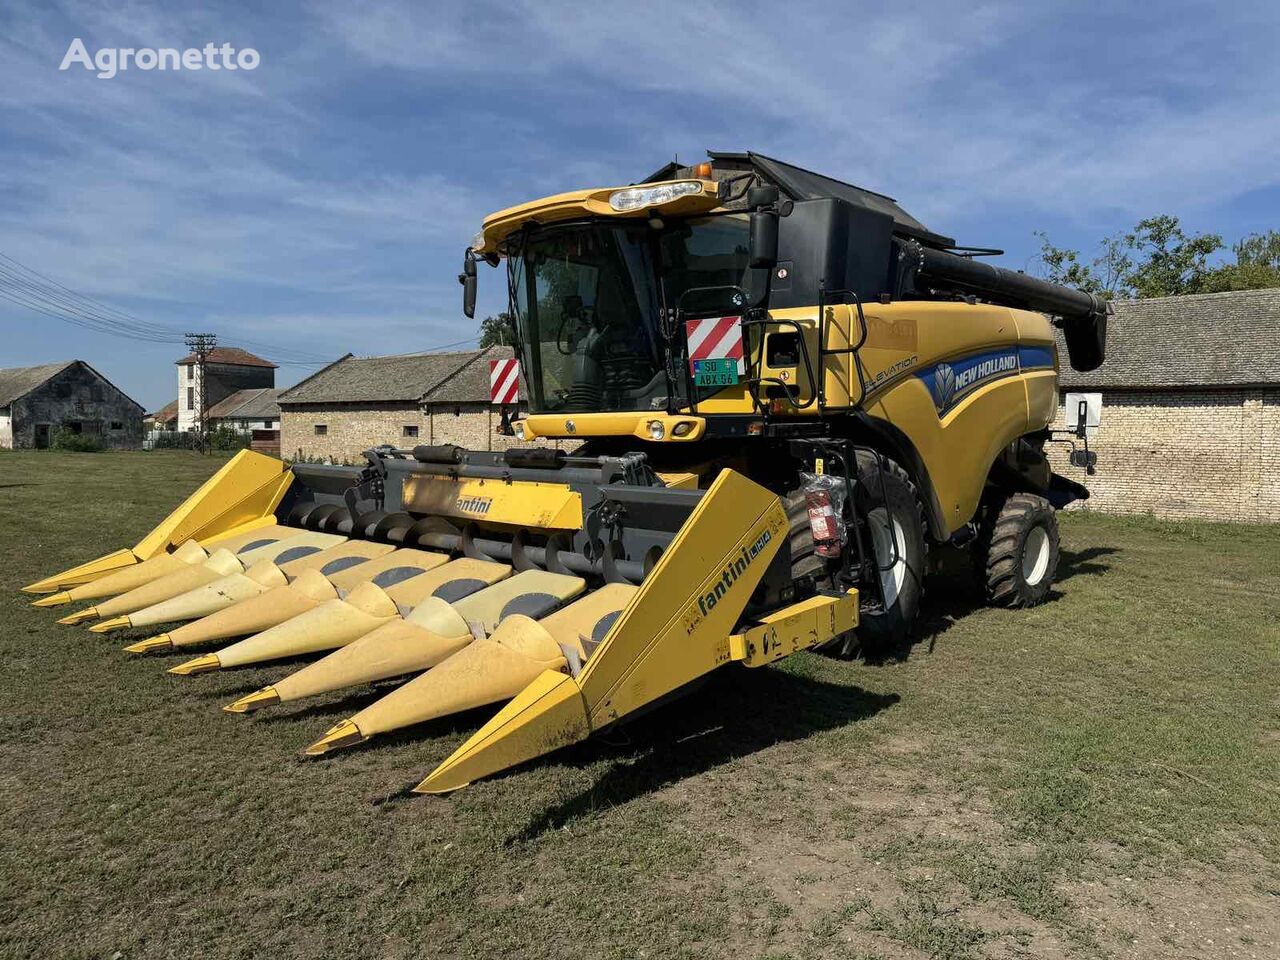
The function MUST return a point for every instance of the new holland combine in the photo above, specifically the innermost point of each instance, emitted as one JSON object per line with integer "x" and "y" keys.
{"x": 783, "y": 390}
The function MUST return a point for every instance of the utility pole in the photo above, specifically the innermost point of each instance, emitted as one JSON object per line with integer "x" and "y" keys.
{"x": 201, "y": 344}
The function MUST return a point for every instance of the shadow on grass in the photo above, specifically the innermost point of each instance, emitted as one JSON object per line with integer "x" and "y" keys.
{"x": 1075, "y": 563}
{"x": 953, "y": 594}
{"x": 735, "y": 714}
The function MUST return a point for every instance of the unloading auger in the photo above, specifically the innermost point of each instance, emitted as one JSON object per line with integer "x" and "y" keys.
{"x": 786, "y": 390}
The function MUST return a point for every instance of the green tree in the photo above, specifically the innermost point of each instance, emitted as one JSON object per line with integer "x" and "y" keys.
{"x": 1257, "y": 264}
{"x": 1157, "y": 258}
{"x": 1107, "y": 274}
{"x": 1167, "y": 261}
{"x": 497, "y": 330}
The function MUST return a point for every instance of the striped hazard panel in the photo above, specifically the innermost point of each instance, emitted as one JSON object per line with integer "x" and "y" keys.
{"x": 715, "y": 338}
{"x": 504, "y": 381}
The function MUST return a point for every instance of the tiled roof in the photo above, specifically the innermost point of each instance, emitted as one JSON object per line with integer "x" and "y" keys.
{"x": 17, "y": 382}
{"x": 1203, "y": 340}
{"x": 166, "y": 413}
{"x": 229, "y": 355}
{"x": 260, "y": 403}
{"x": 470, "y": 384}
{"x": 407, "y": 378}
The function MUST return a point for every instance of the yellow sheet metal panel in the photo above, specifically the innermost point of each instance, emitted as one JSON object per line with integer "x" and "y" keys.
{"x": 591, "y": 617}
{"x": 680, "y": 481}
{"x": 482, "y": 672}
{"x": 958, "y": 448}
{"x": 329, "y": 626}
{"x": 335, "y": 559}
{"x": 450, "y": 582}
{"x": 548, "y": 506}
{"x": 221, "y": 563}
{"x": 129, "y": 578}
{"x": 589, "y": 203}
{"x": 247, "y": 488}
{"x": 261, "y": 531}
{"x": 615, "y": 424}
{"x": 84, "y": 573}
{"x": 546, "y": 715}
{"x": 210, "y": 598}
{"x": 528, "y": 592}
{"x": 254, "y": 615}
{"x": 677, "y": 626}
{"x": 799, "y": 626}
{"x": 389, "y": 569}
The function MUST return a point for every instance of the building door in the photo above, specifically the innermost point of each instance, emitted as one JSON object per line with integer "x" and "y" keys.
{"x": 42, "y": 436}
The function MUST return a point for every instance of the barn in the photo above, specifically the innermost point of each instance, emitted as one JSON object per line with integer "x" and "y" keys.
{"x": 1190, "y": 421}
{"x": 361, "y": 402}
{"x": 38, "y": 402}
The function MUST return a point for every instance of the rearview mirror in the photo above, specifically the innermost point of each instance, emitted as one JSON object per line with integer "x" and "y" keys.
{"x": 468, "y": 280}
{"x": 763, "y": 240}
{"x": 763, "y": 237}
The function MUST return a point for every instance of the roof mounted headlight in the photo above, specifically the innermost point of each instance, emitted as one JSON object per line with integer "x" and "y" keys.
{"x": 639, "y": 198}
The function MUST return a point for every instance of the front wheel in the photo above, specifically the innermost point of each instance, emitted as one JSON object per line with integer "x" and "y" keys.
{"x": 1017, "y": 554}
{"x": 887, "y": 501}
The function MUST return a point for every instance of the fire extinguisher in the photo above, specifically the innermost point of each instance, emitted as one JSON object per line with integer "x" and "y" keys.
{"x": 823, "y": 523}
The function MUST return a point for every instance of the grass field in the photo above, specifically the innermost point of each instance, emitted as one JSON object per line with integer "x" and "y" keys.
{"x": 1099, "y": 777}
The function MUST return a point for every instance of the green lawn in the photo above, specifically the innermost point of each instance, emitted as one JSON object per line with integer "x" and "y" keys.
{"x": 1096, "y": 777}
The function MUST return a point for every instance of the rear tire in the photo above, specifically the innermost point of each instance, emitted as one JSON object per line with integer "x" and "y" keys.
{"x": 1017, "y": 554}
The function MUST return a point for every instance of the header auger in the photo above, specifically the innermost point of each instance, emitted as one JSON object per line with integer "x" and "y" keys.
{"x": 787, "y": 391}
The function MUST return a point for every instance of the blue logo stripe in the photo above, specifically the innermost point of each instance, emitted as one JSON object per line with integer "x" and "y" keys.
{"x": 1034, "y": 358}
{"x": 951, "y": 381}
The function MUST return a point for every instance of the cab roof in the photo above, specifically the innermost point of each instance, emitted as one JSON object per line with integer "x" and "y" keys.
{"x": 797, "y": 183}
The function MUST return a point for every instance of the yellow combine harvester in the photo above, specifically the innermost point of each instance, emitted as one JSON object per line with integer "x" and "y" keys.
{"x": 786, "y": 390}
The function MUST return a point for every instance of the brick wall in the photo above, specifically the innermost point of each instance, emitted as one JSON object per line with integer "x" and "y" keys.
{"x": 354, "y": 428}
{"x": 1210, "y": 454}
{"x": 350, "y": 429}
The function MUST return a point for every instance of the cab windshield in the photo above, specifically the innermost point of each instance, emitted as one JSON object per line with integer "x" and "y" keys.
{"x": 589, "y": 297}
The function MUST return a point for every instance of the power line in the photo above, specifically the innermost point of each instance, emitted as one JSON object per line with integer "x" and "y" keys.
{"x": 28, "y": 288}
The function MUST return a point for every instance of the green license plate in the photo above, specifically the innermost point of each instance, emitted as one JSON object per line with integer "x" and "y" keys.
{"x": 715, "y": 373}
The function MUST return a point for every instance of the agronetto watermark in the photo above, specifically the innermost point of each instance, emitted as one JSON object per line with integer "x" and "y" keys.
{"x": 109, "y": 61}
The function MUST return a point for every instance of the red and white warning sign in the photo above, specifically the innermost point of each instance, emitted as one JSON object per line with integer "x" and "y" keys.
{"x": 504, "y": 381}
{"x": 716, "y": 338}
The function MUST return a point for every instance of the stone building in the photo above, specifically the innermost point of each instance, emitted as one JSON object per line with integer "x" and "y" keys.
{"x": 37, "y": 402}
{"x": 1190, "y": 423}
{"x": 245, "y": 410}
{"x": 361, "y": 402}
{"x": 228, "y": 370}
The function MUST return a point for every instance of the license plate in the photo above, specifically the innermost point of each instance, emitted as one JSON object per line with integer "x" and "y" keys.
{"x": 715, "y": 373}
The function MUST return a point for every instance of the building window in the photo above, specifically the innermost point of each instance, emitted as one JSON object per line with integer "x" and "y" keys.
{"x": 117, "y": 424}
{"x": 322, "y": 429}
{"x": 410, "y": 430}
{"x": 191, "y": 371}
{"x": 191, "y": 398}
{"x": 268, "y": 424}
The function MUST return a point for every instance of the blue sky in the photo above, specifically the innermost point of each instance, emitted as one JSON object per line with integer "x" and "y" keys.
{"x": 320, "y": 203}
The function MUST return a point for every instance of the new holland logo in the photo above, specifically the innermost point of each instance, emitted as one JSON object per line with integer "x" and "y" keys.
{"x": 478, "y": 505}
{"x": 944, "y": 385}
{"x": 948, "y": 382}
{"x": 732, "y": 571}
